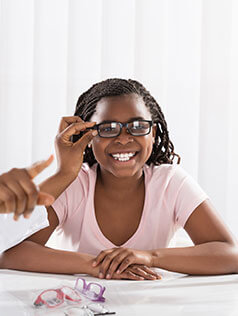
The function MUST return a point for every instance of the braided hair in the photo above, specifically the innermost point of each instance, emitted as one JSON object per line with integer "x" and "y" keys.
{"x": 163, "y": 148}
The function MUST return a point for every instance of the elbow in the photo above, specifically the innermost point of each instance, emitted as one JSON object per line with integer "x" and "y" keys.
{"x": 234, "y": 258}
{"x": 9, "y": 258}
{"x": 229, "y": 257}
{"x": 3, "y": 260}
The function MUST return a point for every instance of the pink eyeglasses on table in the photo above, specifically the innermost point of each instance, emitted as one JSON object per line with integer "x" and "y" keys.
{"x": 55, "y": 297}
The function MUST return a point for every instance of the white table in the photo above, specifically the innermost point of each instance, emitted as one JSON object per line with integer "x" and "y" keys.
{"x": 174, "y": 295}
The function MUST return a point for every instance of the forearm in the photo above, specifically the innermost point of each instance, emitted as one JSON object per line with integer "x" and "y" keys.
{"x": 204, "y": 259}
{"x": 57, "y": 183}
{"x": 30, "y": 256}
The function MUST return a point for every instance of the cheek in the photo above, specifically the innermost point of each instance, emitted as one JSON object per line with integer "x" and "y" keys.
{"x": 149, "y": 147}
{"x": 149, "y": 142}
{"x": 98, "y": 147}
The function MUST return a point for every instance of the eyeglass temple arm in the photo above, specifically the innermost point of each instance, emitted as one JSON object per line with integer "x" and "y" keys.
{"x": 84, "y": 283}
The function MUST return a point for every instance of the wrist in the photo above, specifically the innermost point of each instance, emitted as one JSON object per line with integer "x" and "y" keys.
{"x": 67, "y": 175}
{"x": 154, "y": 257}
{"x": 57, "y": 183}
{"x": 88, "y": 267}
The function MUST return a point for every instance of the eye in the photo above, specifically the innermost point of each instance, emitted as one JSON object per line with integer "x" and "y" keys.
{"x": 107, "y": 128}
{"x": 139, "y": 125}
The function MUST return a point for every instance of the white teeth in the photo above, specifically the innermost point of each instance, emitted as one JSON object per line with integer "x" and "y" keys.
{"x": 123, "y": 157}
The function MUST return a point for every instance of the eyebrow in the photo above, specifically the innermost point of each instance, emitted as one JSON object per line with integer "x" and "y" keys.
{"x": 130, "y": 120}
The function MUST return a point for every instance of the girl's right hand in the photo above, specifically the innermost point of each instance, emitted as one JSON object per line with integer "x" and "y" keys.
{"x": 69, "y": 154}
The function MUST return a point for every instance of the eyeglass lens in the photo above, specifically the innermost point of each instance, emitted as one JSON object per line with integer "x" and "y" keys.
{"x": 135, "y": 128}
{"x": 93, "y": 291}
{"x": 90, "y": 287}
{"x": 52, "y": 298}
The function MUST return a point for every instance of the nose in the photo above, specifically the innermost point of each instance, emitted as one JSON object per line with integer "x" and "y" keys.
{"x": 124, "y": 137}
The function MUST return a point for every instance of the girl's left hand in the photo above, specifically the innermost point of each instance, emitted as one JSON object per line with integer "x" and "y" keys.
{"x": 119, "y": 259}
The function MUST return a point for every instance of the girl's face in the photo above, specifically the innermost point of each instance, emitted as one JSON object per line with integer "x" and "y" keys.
{"x": 122, "y": 109}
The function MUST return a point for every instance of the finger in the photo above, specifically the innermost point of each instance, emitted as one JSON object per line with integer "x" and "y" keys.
{"x": 42, "y": 199}
{"x": 150, "y": 271}
{"x": 75, "y": 129}
{"x": 106, "y": 263}
{"x": 21, "y": 200}
{"x": 86, "y": 139}
{"x": 14, "y": 198}
{"x": 33, "y": 196}
{"x": 115, "y": 263}
{"x": 149, "y": 275}
{"x": 101, "y": 256}
{"x": 37, "y": 167}
{"x": 31, "y": 192}
{"x": 129, "y": 275}
{"x": 68, "y": 120}
{"x": 45, "y": 199}
{"x": 8, "y": 200}
{"x": 128, "y": 260}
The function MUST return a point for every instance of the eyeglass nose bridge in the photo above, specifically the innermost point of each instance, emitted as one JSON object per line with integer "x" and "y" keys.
{"x": 124, "y": 125}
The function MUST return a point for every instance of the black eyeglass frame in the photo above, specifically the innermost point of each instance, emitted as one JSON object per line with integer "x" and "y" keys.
{"x": 97, "y": 127}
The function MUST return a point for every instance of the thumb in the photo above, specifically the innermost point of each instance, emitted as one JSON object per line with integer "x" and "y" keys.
{"x": 45, "y": 199}
{"x": 37, "y": 167}
{"x": 86, "y": 138}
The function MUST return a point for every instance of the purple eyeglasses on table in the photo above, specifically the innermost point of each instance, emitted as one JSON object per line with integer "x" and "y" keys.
{"x": 93, "y": 291}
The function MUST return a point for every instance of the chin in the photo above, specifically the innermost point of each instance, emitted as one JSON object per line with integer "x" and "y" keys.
{"x": 125, "y": 173}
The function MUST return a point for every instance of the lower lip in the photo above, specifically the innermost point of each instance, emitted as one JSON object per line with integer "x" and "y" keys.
{"x": 124, "y": 162}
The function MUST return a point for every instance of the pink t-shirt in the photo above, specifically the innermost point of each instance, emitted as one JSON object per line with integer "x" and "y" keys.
{"x": 171, "y": 195}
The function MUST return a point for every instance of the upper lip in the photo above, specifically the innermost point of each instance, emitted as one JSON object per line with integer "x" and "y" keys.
{"x": 123, "y": 151}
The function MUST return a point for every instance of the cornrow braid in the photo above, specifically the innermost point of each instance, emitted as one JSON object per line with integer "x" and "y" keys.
{"x": 163, "y": 148}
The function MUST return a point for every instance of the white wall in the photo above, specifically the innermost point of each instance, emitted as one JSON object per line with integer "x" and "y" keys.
{"x": 185, "y": 52}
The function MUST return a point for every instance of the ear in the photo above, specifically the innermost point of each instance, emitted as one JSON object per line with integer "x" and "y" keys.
{"x": 154, "y": 129}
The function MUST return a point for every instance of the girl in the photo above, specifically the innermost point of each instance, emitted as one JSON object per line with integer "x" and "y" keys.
{"x": 120, "y": 198}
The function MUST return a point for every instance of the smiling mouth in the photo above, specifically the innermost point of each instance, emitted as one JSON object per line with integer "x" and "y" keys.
{"x": 123, "y": 156}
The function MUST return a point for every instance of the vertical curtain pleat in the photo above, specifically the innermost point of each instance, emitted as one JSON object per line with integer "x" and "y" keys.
{"x": 50, "y": 74}
{"x": 118, "y": 38}
{"x": 16, "y": 68}
{"x": 84, "y": 48}
{"x": 215, "y": 100}
{"x": 232, "y": 149}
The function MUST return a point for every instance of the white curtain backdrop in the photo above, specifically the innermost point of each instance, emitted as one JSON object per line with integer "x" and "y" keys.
{"x": 185, "y": 52}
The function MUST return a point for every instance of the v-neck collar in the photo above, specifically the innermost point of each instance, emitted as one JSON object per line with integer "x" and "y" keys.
{"x": 96, "y": 229}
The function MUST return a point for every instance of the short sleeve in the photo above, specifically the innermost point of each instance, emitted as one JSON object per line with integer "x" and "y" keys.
{"x": 13, "y": 232}
{"x": 188, "y": 197}
{"x": 70, "y": 200}
{"x": 60, "y": 207}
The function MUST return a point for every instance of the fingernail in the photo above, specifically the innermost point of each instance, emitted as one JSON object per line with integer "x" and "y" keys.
{"x": 118, "y": 272}
{"x": 94, "y": 263}
{"x": 108, "y": 276}
{"x": 27, "y": 215}
{"x": 94, "y": 133}
{"x": 100, "y": 275}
